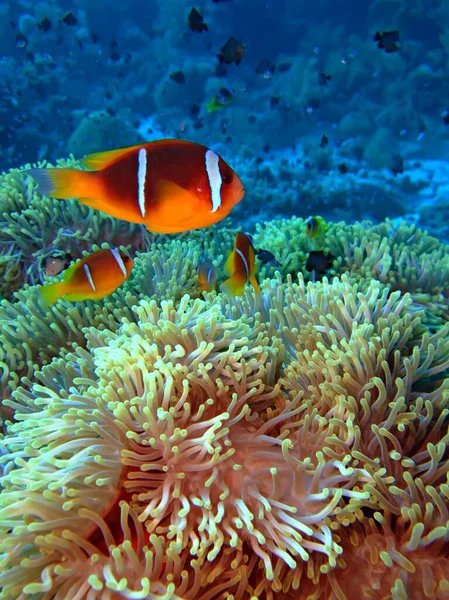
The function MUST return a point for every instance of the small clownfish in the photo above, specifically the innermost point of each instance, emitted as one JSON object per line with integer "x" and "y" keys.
{"x": 241, "y": 266}
{"x": 90, "y": 278}
{"x": 207, "y": 276}
{"x": 315, "y": 227}
{"x": 168, "y": 185}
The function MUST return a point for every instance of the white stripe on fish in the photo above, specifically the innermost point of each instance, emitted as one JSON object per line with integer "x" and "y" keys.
{"x": 116, "y": 254}
{"x": 89, "y": 277}
{"x": 215, "y": 179}
{"x": 141, "y": 177}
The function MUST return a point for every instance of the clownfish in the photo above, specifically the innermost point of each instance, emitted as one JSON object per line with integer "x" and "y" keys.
{"x": 241, "y": 266}
{"x": 168, "y": 185}
{"x": 207, "y": 276}
{"x": 90, "y": 278}
{"x": 316, "y": 227}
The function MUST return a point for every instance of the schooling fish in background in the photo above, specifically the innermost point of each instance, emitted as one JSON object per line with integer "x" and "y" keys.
{"x": 388, "y": 41}
{"x": 196, "y": 22}
{"x": 266, "y": 69}
{"x": 223, "y": 98}
{"x": 241, "y": 266}
{"x": 90, "y": 278}
{"x": 207, "y": 276}
{"x": 232, "y": 51}
{"x": 168, "y": 185}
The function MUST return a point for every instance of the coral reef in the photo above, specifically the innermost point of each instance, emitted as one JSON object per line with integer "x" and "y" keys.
{"x": 292, "y": 443}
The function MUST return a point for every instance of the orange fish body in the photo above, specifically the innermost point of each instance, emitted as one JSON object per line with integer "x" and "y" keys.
{"x": 90, "y": 278}
{"x": 168, "y": 185}
{"x": 241, "y": 266}
{"x": 207, "y": 276}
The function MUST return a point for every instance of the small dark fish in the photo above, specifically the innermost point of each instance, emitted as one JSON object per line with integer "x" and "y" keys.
{"x": 220, "y": 1}
{"x": 195, "y": 110}
{"x": 343, "y": 168}
{"x": 388, "y": 41}
{"x": 252, "y": 119}
{"x": 267, "y": 258}
{"x": 114, "y": 55}
{"x": 45, "y": 24}
{"x": 266, "y": 69}
{"x": 397, "y": 164}
{"x": 21, "y": 41}
{"x": 324, "y": 141}
{"x": 318, "y": 261}
{"x": 94, "y": 37}
{"x": 323, "y": 78}
{"x": 232, "y": 51}
{"x": 284, "y": 67}
{"x": 178, "y": 77}
{"x": 196, "y": 22}
{"x": 274, "y": 101}
{"x": 69, "y": 19}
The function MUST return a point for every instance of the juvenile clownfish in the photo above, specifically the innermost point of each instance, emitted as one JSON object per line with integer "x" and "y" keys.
{"x": 168, "y": 185}
{"x": 207, "y": 276}
{"x": 241, "y": 266}
{"x": 315, "y": 227}
{"x": 90, "y": 278}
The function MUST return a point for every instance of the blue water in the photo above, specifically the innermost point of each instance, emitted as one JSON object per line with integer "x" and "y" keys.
{"x": 104, "y": 82}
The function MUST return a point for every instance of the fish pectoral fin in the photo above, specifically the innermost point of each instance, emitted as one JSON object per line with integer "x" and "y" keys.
{"x": 254, "y": 283}
{"x": 173, "y": 203}
{"x": 101, "y": 160}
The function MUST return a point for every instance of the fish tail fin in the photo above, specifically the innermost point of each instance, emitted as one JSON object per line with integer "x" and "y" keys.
{"x": 63, "y": 183}
{"x": 52, "y": 292}
{"x": 233, "y": 287}
{"x": 254, "y": 283}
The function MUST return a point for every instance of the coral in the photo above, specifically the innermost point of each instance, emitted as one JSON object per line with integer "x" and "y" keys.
{"x": 258, "y": 449}
{"x": 100, "y": 131}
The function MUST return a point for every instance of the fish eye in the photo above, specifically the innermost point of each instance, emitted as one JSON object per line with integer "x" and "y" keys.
{"x": 227, "y": 179}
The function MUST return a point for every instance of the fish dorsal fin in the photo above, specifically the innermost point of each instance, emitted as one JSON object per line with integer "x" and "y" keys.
{"x": 228, "y": 268}
{"x": 102, "y": 160}
{"x": 174, "y": 202}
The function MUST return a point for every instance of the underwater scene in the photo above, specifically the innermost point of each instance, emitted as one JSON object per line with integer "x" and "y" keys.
{"x": 224, "y": 300}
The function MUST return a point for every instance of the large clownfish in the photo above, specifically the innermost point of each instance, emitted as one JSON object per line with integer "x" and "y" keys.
{"x": 241, "y": 266}
{"x": 168, "y": 185}
{"x": 90, "y": 278}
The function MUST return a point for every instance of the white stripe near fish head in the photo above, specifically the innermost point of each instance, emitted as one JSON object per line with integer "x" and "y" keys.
{"x": 116, "y": 254}
{"x": 245, "y": 262}
{"x": 214, "y": 177}
{"x": 89, "y": 277}
{"x": 141, "y": 177}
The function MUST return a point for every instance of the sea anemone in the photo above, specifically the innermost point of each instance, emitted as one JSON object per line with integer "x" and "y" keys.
{"x": 256, "y": 449}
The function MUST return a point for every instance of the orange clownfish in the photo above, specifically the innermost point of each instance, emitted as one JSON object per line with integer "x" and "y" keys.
{"x": 168, "y": 185}
{"x": 207, "y": 276}
{"x": 241, "y": 266}
{"x": 90, "y": 278}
